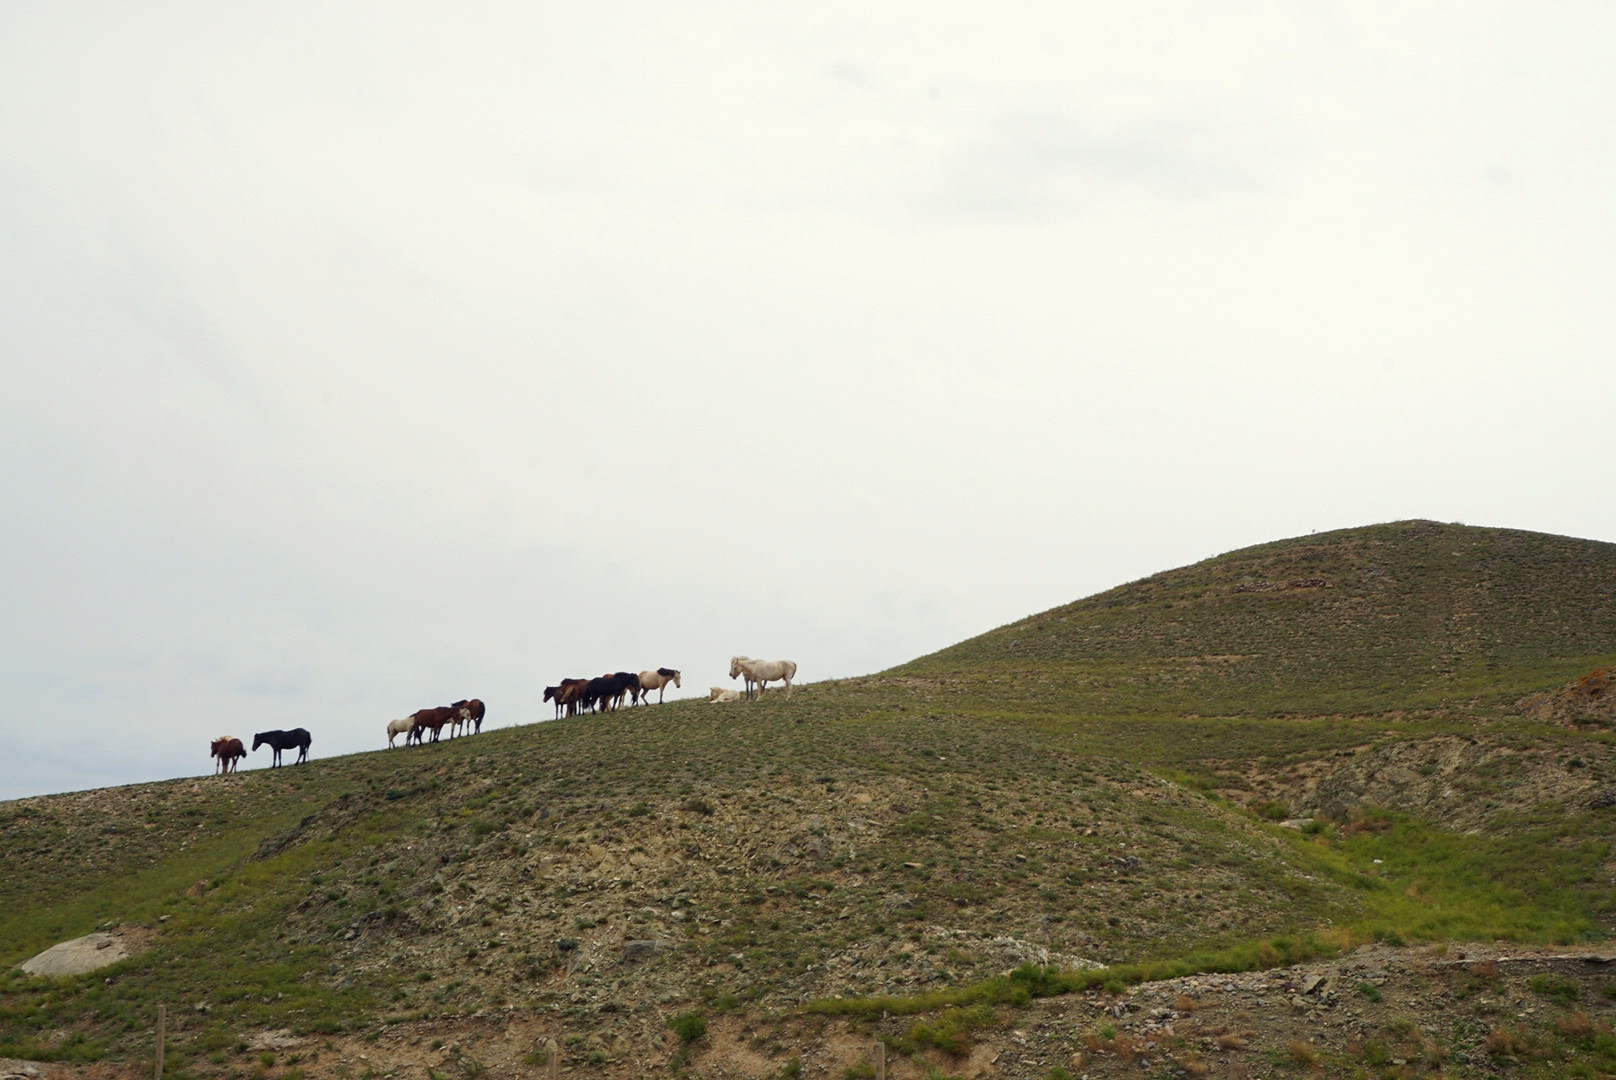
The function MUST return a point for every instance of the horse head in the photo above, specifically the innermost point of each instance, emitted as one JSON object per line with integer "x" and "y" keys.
{"x": 258, "y": 740}
{"x": 675, "y": 678}
{"x": 735, "y": 665}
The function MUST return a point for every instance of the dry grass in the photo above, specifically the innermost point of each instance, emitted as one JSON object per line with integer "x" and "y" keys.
{"x": 1304, "y": 1054}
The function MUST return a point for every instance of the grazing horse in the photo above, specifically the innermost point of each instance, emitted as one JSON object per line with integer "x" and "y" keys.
{"x": 471, "y": 713}
{"x": 431, "y": 720}
{"x": 229, "y": 751}
{"x": 763, "y": 672}
{"x": 657, "y": 680}
{"x": 400, "y": 727}
{"x": 284, "y": 740}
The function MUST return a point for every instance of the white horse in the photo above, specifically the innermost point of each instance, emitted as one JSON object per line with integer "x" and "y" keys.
{"x": 657, "y": 680}
{"x": 400, "y": 727}
{"x": 718, "y": 693}
{"x": 763, "y": 672}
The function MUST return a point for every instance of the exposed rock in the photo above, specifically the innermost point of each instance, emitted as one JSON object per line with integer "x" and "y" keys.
{"x": 77, "y": 957}
{"x": 643, "y": 950}
{"x": 280, "y": 1039}
{"x": 1588, "y": 702}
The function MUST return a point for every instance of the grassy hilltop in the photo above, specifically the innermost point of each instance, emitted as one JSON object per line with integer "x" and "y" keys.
{"x": 1410, "y": 616}
{"x": 1093, "y": 791}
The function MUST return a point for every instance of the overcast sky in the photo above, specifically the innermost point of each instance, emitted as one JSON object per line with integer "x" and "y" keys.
{"x": 360, "y": 358}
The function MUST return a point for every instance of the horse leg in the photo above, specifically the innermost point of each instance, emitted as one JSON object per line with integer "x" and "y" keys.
{"x": 788, "y": 689}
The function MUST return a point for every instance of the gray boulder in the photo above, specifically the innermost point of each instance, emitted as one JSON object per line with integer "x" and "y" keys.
{"x": 80, "y": 956}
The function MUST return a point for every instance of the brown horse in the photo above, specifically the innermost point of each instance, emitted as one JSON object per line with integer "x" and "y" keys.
{"x": 431, "y": 720}
{"x": 471, "y": 714}
{"x": 229, "y": 751}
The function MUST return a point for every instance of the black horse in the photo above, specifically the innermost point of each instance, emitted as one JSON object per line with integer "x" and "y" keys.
{"x": 284, "y": 740}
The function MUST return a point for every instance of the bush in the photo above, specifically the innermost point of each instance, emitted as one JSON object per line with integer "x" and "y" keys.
{"x": 1555, "y": 986}
{"x": 689, "y": 1026}
{"x": 1269, "y": 809}
{"x": 951, "y": 1032}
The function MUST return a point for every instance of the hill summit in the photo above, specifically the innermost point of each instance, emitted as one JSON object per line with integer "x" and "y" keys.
{"x": 1407, "y": 615}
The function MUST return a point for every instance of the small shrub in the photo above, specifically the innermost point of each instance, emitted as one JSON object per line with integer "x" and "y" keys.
{"x": 951, "y": 1032}
{"x": 697, "y": 806}
{"x": 1302, "y": 1054}
{"x": 1555, "y": 986}
{"x": 1503, "y": 1043}
{"x": 689, "y": 1026}
{"x": 792, "y": 1070}
{"x": 1369, "y": 990}
{"x": 1370, "y": 820}
{"x": 1269, "y": 809}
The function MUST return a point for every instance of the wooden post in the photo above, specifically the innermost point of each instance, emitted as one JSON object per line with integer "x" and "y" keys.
{"x": 162, "y": 1022}
{"x": 880, "y": 1061}
{"x": 554, "y": 1062}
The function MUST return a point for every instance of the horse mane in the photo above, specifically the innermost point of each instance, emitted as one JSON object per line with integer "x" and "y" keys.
{"x": 666, "y": 673}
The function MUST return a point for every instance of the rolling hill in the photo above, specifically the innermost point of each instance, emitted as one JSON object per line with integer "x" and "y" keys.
{"x": 1087, "y": 798}
{"x": 1407, "y": 616}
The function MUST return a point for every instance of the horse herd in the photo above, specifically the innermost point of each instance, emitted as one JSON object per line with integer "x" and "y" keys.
{"x": 607, "y": 693}
{"x": 462, "y": 716}
{"x": 571, "y": 697}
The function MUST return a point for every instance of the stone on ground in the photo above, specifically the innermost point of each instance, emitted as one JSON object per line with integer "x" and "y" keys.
{"x": 77, "y": 957}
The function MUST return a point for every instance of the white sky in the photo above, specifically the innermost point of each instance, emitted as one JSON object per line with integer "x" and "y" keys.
{"x": 358, "y": 358}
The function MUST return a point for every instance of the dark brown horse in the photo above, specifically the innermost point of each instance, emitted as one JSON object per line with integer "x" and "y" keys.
{"x": 284, "y": 740}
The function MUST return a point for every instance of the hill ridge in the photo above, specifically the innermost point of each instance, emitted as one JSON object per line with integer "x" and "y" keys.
{"x": 1411, "y": 614}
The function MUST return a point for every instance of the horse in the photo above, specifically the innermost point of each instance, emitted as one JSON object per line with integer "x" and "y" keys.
{"x": 471, "y": 712}
{"x": 763, "y": 672}
{"x": 734, "y": 666}
{"x": 624, "y": 684}
{"x": 572, "y": 695}
{"x": 284, "y": 740}
{"x": 718, "y": 693}
{"x": 657, "y": 680}
{"x": 400, "y": 727}
{"x": 432, "y": 719}
{"x": 229, "y": 751}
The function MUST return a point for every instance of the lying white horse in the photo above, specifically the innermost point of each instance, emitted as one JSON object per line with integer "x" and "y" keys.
{"x": 763, "y": 672}
{"x": 657, "y": 680}
{"x": 400, "y": 727}
{"x": 718, "y": 693}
